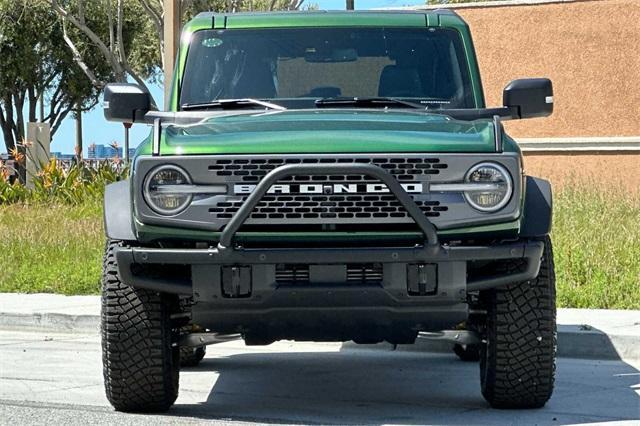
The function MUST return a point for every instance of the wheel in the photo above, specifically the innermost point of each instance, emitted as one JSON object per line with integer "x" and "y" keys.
{"x": 140, "y": 364}
{"x": 191, "y": 357}
{"x": 517, "y": 356}
{"x": 468, "y": 353}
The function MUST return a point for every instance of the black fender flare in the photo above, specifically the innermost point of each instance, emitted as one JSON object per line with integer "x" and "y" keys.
{"x": 538, "y": 208}
{"x": 118, "y": 222}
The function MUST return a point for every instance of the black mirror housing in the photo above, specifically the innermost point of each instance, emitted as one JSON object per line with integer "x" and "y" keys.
{"x": 529, "y": 97}
{"x": 125, "y": 102}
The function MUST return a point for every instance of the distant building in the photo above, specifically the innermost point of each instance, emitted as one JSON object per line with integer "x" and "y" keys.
{"x": 96, "y": 152}
{"x": 61, "y": 156}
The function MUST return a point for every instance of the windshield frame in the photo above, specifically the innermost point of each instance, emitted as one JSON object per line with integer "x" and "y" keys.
{"x": 464, "y": 52}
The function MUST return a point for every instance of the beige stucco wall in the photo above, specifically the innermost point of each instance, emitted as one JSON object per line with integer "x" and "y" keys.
{"x": 590, "y": 49}
{"x": 603, "y": 171}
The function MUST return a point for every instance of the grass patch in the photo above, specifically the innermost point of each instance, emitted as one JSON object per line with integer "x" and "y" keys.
{"x": 596, "y": 237}
{"x": 51, "y": 248}
{"x": 58, "y": 248}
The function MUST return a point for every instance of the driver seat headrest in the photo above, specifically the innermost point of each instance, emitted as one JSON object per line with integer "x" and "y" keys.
{"x": 401, "y": 81}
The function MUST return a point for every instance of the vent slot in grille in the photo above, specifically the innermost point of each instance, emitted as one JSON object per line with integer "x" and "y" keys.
{"x": 354, "y": 206}
{"x": 357, "y": 274}
{"x": 364, "y": 273}
{"x": 252, "y": 169}
{"x": 292, "y": 274}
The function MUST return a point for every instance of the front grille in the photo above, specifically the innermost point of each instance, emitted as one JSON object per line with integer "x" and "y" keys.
{"x": 355, "y": 206}
{"x": 347, "y": 202}
{"x": 312, "y": 207}
{"x": 253, "y": 169}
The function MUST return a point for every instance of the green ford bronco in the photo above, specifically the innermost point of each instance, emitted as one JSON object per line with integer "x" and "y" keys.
{"x": 328, "y": 176}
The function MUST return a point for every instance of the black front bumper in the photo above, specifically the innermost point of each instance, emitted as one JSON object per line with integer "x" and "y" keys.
{"x": 278, "y": 310}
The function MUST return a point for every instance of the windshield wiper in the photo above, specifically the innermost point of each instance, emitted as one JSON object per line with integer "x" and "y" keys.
{"x": 232, "y": 104}
{"x": 370, "y": 102}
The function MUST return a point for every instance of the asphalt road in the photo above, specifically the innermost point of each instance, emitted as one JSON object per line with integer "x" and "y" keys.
{"x": 57, "y": 379}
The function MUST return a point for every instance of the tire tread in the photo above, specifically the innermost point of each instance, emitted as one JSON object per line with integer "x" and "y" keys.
{"x": 139, "y": 363}
{"x": 518, "y": 357}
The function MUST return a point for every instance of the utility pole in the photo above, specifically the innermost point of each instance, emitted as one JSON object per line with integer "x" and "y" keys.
{"x": 125, "y": 151}
{"x": 41, "y": 102}
{"x": 351, "y": 5}
{"x": 172, "y": 15}
{"x": 78, "y": 148}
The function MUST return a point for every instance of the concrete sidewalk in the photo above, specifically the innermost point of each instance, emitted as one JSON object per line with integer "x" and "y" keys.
{"x": 582, "y": 333}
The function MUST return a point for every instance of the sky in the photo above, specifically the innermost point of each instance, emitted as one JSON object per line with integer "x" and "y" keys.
{"x": 97, "y": 130}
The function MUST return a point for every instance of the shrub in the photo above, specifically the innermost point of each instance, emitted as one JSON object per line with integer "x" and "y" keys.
{"x": 74, "y": 184}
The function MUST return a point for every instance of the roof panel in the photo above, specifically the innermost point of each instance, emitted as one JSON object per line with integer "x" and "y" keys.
{"x": 321, "y": 19}
{"x": 324, "y": 18}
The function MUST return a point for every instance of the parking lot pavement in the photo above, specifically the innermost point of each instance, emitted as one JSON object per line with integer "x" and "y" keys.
{"x": 57, "y": 379}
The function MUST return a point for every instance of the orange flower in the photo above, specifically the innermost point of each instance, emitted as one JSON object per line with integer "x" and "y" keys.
{"x": 17, "y": 155}
{"x": 47, "y": 182}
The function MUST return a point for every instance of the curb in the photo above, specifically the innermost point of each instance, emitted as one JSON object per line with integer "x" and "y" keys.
{"x": 574, "y": 341}
{"x": 53, "y": 322}
{"x": 585, "y": 342}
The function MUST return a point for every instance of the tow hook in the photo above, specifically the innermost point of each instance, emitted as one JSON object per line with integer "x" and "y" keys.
{"x": 193, "y": 340}
{"x": 463, "y": 337}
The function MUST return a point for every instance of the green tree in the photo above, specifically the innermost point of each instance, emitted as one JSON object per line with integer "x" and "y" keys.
{"x": 190, "y": 8}
{"x": 119, "y": 30}
{"x": 128, "y": 33}
{"x": 37, "y": 66}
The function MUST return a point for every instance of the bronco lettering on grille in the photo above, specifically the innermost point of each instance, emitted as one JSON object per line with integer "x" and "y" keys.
{"x": 336, "y": 188}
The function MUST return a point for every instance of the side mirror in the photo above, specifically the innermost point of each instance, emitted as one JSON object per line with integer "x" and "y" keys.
{"x": 125, "y": 102}
{"x": 529, "y": 97}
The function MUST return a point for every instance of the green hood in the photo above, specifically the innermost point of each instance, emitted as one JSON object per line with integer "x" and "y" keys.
{"x": 328, "y": 131}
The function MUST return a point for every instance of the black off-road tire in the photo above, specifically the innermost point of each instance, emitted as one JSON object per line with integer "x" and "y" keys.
{"x": 517, "y": 363}
{"x": 191, "y": 357}
{"x": 140, "y": 364}
{"x": 467, "y": 353}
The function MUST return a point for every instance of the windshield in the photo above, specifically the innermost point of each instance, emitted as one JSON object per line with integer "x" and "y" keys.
{"x": 295, "y": 67}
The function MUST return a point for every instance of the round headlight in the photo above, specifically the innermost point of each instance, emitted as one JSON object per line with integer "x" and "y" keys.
{"x": 495, "y": 195}
{"x": 162, "y": 190}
